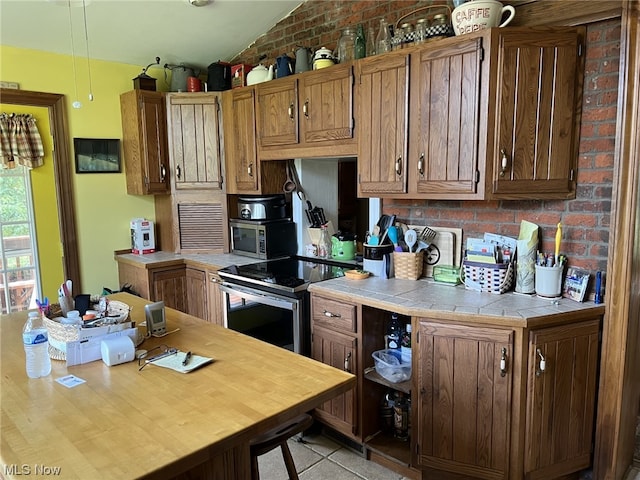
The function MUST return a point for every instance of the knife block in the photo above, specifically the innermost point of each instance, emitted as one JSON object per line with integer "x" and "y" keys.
{"x": 314, "y": 233}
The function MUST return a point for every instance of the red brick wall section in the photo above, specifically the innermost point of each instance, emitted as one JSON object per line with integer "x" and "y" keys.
{"x": 586, "y": 219}
{"x": 319, "y": 23}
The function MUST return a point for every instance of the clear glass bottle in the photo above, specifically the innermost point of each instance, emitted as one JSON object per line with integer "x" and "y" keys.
{"x": 383, "y": 40}
{"x": 371, "y": 42}
{"x": 324, "y": 244}
{"x": 346, "y": 45}
{"x": 36, "y": 346}
{"x": 360, "y": 49}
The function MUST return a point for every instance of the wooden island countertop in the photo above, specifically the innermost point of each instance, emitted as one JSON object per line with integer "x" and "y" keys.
{"x": 154, "y": 423}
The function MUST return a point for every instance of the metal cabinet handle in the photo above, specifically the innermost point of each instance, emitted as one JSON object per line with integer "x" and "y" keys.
{"x": 503, "y": 162}
{"x": 250, "y": 170}
{"x": 542, "y": 366}
{"x": 503, "y": 362}
{"x": 163, "y": 172}
{"x": 347, "y": 363}
{"x": 399, "y": 166}
{"x": 305, "y": 108}
{"x": 331, "y": 315}
{"x": 421, "y": 164}
{"x": 178, "y": 172}
{"x": 291, "y": 117}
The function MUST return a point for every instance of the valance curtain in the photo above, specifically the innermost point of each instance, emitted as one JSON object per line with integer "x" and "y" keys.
{"x": 20, "y": 141}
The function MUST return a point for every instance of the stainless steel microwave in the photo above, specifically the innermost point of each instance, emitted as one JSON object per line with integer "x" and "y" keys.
{"x": 263, "y": 239}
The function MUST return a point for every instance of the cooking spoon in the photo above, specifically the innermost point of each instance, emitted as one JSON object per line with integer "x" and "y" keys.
{"x": 410, "y": 238}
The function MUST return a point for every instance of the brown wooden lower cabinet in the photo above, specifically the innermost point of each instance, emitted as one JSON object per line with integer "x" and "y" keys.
{"x": 215, "y": 298}
{"x": 196, "y": 293}
{"x": 169, "y": 286}
{"x": 482, "y": 404}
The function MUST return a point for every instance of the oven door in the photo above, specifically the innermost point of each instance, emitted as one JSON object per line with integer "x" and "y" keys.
{"x": 273, "y": 318}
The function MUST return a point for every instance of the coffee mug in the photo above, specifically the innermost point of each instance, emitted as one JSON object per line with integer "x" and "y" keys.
{"x": 480, "y": 14}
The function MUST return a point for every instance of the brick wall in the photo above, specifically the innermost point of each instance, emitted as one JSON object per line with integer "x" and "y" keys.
{"x": 586, "y": 219}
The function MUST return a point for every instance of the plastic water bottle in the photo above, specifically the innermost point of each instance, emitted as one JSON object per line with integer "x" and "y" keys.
{"x": 36, "y": 346}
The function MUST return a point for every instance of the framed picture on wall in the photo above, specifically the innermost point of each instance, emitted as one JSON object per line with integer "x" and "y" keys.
{"x": 97, "y": 155}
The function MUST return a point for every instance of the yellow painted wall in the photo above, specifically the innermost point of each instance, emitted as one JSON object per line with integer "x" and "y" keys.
{"x": 103, "y": 207}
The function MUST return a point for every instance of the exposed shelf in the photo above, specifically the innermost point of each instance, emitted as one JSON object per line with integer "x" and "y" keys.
{"x": 386, "y": 445}
{"x": 371, "y": 374}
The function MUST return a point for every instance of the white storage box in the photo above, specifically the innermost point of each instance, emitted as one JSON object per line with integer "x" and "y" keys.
{"x": 390, "y": 366}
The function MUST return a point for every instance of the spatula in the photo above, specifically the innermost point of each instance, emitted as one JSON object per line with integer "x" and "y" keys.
{"x": 393, "y": 236}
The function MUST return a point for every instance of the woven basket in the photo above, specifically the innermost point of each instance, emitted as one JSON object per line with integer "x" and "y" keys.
{"x": 490, "y": 278}
{"x": 408, "y": 265}
{"x": 60, "y": 334}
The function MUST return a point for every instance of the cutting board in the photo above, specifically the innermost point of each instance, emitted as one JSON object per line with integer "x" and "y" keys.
{"x": 446, "y": 248}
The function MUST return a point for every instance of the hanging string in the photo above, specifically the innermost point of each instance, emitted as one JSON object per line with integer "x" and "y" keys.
{"x": 86, "y": 39}
{"x": 76, "y": 103}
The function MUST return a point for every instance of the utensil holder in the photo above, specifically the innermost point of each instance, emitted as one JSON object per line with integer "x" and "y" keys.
{"x": 408, "y": 265}
{"x": 548, "y": 281}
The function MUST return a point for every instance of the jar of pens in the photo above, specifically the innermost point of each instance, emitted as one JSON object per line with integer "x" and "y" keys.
{"x": 549, "y": 270}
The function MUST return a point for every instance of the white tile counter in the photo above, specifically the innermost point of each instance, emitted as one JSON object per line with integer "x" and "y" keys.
{"x": 426, "y": 298}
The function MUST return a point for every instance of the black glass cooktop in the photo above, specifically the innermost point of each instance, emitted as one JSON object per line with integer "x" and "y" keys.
{"x": 291, "y": 274}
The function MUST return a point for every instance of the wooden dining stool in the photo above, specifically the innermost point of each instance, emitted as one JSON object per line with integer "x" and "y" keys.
{"x": 275, "y": 437}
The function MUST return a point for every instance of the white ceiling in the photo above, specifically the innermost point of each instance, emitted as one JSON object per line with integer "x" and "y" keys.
{"x": 137, "y": 31}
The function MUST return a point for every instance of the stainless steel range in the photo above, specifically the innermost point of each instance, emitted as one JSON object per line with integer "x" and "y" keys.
{"x": 269, "y": 300}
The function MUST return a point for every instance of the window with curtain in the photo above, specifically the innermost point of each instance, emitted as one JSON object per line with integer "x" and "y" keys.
{"x": 21, "y": 149}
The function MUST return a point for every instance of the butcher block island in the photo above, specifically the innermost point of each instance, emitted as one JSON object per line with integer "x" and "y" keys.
{"x": 155, "y": 422}
{"x": 501, "y": 387}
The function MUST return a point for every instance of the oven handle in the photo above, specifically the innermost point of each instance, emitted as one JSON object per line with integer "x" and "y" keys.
{"x": 260, "y": 297}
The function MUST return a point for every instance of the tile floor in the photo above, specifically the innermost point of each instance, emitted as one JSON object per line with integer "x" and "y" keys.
{"x": 319, "y": 457}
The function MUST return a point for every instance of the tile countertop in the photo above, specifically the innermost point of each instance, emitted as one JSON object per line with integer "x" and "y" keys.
{"x": 426, "y": 298}
{"x": 163, "y": 259}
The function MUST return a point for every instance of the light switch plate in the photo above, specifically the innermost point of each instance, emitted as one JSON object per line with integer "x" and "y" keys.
{"x": 13, "y": 85}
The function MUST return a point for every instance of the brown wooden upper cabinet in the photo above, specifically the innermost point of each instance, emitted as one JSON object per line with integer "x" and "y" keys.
{"x": 240, "y": 140}
{"x": 310, "y": 114}
{"x": 493, "y": 114}
{"x": 144, "y": 139}
{"x": 195, "y": 140}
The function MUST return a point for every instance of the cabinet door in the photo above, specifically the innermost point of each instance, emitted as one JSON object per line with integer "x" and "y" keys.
{"x": 464, "y": 398}
{"x": 195, "y": 140}
{"x": 240, "y": 140}
{"x": 144, "y": 138}
{"x": 326, "y": 97}
{"x": 561, "y": 399}
{"x": 339, "y": 351}
{"x": 539, "y": 102}
{"x": 277, "y": 112}
{"x": 382, "y": 130}
{"x": 443, "y": 138}
{"x": 169, "y": 286}
{"x": 196, "y": 293}
{"x": 216, "y": 299}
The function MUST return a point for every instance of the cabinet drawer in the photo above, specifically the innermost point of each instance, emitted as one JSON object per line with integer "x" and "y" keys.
{"x": 334, "y": 315}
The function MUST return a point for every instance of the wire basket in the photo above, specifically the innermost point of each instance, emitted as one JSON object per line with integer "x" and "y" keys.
{"x": 489, "y": 278}
{"x": 408, "y": 265}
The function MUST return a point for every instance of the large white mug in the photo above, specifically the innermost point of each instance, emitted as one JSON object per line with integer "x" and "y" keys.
{"x": 480, "y": 14}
